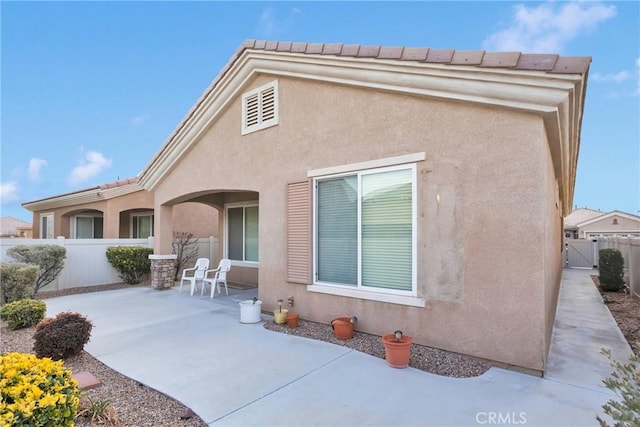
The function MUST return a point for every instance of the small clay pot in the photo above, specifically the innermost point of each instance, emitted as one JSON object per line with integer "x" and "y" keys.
{"x": 292, "y": 320}
{"x": 342, "y": 327}
{"x": 397, "y": 352}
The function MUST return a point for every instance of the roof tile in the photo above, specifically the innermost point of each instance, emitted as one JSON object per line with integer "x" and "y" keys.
{"x": 248, "y": 43}
{"x": 271, "y": 45}
{"x": 533, "y": 61}
{"x": 297, "y": 47}
{"x": 369, "y": 51}
{"x": 467, "y": 57}
{"x": 332, "y": 48}
{"x": 500, "y": 59}
{"x": 350, "y": 50}
{"x": 572, "y": 65}
{"x": 259, "y": 44}
{"x": 284, "y": 47}
{"x": 390, "y": 52}
{"x": 440, "y": 55}
{"x": 314, "y": 48}
{"x": 415, "y": 53}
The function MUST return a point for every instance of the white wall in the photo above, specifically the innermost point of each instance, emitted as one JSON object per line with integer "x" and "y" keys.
{"x": 86, "y": 263}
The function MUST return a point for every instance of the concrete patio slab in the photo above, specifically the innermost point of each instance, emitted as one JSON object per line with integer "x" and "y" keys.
{"x": 196, "y": 350}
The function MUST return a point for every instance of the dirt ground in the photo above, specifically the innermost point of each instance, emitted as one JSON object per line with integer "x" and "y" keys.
{"x": 626, "y": 311}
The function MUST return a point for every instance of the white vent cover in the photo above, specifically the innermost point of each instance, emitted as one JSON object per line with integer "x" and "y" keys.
{"x": 260, "y": 108}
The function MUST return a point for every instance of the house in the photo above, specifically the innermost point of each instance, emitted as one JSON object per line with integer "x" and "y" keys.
{"x": 120, "y": 209}
{"x": 389, "y": 183}
{"x": 584, "y": 223}
{"x": 13, "y": 227}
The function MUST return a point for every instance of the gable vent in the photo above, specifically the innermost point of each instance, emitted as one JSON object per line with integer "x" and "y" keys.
{"x": 260, "y": 108}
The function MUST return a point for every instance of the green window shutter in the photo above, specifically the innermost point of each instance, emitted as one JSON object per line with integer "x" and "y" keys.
{"x": 337, "y": 234}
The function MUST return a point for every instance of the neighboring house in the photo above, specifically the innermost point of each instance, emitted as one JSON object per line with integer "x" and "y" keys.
{"x": 389, "y": 183}
{"x": 585, "y": 223}
{"x": 120, "y": 209}
{"x": 13, "y": 227}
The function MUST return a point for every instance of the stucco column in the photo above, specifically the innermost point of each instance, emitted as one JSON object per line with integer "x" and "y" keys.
{"x": 163, "y": 234}
{"x": 163, "y": 268}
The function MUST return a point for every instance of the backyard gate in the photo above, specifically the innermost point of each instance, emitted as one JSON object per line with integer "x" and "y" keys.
{"x": 581, "y": 253}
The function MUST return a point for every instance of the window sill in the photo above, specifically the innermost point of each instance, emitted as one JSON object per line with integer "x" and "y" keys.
{"x": 372, "y": 296}
{"x": 248, "y": 264}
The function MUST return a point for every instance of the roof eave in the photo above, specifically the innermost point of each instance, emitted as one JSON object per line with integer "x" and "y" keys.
{"x": 557, "y": 97}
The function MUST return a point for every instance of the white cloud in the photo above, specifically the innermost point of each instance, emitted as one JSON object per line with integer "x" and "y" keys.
{"x": 618, "y": 77}
{"x": 8, "y": 192}
{"x": 91, "y": 165}
{"x": 269, "y": 24}
{"x": 548, "y": 27}
{"x": 35, "y": 165}
{"x": 138, "y": 120}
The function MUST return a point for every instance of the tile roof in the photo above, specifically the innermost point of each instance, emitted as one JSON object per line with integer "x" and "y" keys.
{"x": 106, "y": 186}
{"x": 581, "y": 215}
{"x": 551, "y": 63}
{"x": 9, "y": 226}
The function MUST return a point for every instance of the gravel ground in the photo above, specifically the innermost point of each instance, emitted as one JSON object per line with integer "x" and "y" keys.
{"x": 625, "y": 309}
{"x": 133, "y": 403}
{"x": 428, "y": 359}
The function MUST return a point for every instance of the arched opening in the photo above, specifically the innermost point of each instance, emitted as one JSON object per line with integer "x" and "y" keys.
{"x": 234, "y": 229}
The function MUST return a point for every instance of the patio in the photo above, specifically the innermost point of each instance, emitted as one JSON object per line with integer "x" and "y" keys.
{"x": 242, "y": 374}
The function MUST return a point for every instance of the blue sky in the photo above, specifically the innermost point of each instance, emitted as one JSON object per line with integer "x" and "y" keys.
{"x": 91, "y": 90}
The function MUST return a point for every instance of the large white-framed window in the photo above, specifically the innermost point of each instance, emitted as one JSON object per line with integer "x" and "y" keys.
{"x": 260, "y": 108}
{"x": 142, "y": 225}
{"x": 365, "y": 230}
{"x": 241, "y": 233}
{"x": 87, "y": 227}
{"x": 46, "y": 226}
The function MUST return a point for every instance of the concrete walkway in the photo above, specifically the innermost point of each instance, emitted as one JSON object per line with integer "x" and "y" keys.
{"x": 196, "y": 350}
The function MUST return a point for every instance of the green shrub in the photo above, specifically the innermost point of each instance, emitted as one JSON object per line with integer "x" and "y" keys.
{"x": 36, "y": 392}
{"x": 63, "y": 336}
{"x": 131, "y": 262}
{"x": 50, "y": 259}
{"x": 23, "y": 313}
{"x": 625, "y": 382}
{"x": 611, "y": 267}
{"x": 17, "y": 281}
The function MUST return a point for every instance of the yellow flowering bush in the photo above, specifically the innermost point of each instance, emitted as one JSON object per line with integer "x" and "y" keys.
{"x": 36, "y": 392}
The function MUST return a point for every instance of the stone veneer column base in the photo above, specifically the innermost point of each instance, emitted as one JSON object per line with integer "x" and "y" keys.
{"x": 163, "y": 268}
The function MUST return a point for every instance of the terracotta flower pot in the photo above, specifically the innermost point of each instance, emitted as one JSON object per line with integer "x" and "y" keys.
{"x": 280, "y": 316}
{"x": 342, "y": 327}
{"x": 292, "y": 320}
{"x": 397, "y": 352}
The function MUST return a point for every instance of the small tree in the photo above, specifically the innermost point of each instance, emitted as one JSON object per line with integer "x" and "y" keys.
{"x": 625, "y": 382}
{"x": 50, "y": 259}
{"x": 131, "y": 262}
{"x": 17, "y": 280}
{"x": 186, "y": 249}
{"x": 611, "y": 267}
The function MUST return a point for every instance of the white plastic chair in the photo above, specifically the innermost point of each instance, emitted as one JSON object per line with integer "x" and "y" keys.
{"x": 195, "y": 274}
{"x": 219, "y": 277}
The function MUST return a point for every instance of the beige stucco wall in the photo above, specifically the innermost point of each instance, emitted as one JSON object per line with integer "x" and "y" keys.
{"x": 553, "y": 242}
{"x": 483, "y": 250}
